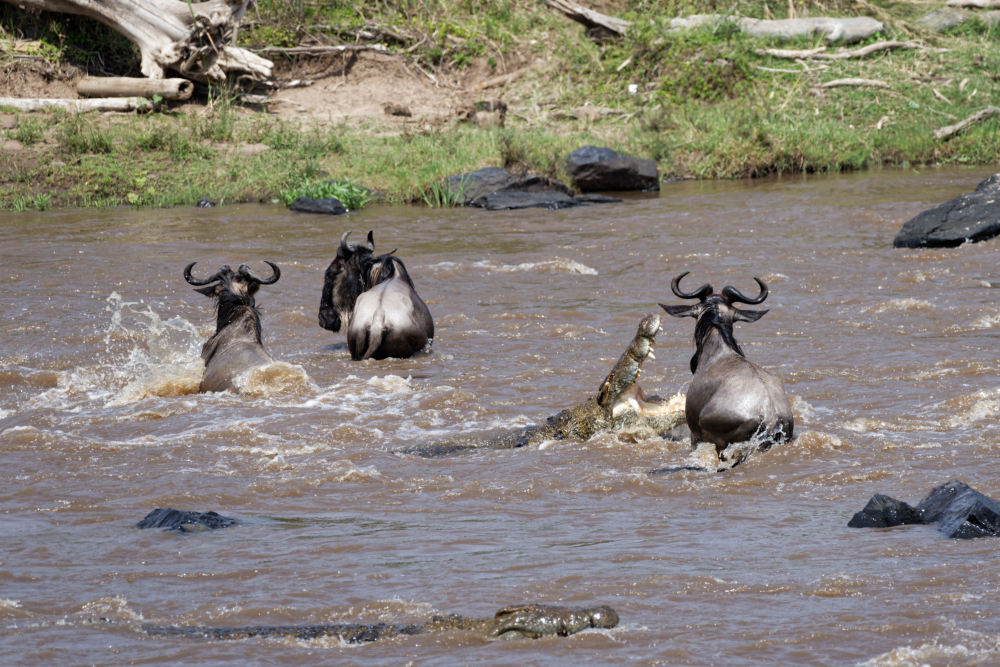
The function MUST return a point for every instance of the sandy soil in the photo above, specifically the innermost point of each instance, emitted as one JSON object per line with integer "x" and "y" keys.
{"x": 365, "y": 87}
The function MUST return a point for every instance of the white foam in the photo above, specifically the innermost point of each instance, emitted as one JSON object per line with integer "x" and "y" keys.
{"x": 555, "y": 265}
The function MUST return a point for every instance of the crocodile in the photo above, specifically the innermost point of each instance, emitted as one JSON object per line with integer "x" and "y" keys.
{"x": 619, "y": 405}
{"x": 528, "y": 620}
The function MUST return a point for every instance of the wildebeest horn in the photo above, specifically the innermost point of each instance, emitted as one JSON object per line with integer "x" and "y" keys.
{"x": 275, "y": 274}
{"x": 701, "y": 293}
{"x": 371, "y": 241}
{"x": 733, "y": 295}
{"x": 194, "y": 281}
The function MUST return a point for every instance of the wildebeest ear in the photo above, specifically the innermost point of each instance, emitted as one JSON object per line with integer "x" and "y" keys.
{"x": 683, "y": 310}
{"x": 210, "y": 290}
{"x": 748, "y": 315}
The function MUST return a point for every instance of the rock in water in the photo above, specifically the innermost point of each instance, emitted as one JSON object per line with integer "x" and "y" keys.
{"x": 882, "y": 512}
{"x": 967, "y": 218}
{"x": 329, "y": 206}
{"x": 594, "y": 168}
{"x": 960, "y": 512}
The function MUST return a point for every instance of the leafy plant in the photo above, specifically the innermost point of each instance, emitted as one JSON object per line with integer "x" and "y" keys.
{"x": 444, "y": 195}
{"x": 350, "y": 194}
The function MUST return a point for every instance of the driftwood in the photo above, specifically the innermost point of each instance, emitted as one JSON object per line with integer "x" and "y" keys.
{"x": 589, "y": 17}
{"x": 194, "y": 39}
{"x": 949, "y": 130}
{"x": 841, "y": 54}
{"x": 502, "y": 79}
{"x": 873, "y": 83}
{"x": 845, "y": 30}
{"x": 124, "y": 86}
{"x": 92, "y": 104}
{"x": 980, "y": 4}
{"x": 321, "y": 50}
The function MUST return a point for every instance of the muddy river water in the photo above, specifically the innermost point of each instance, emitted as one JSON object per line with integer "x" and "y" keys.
{"x": 890, "y": 358}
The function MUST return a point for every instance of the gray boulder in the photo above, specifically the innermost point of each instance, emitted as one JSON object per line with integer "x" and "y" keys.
{"x": 328, "y": 206}
{"x": 967, "y": 218}
{"x": 958, "y": 510}
{"x": 593, "y": 168}
{"x": 495, "y": 188}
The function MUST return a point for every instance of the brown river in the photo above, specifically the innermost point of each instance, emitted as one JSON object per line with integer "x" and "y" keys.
{"x": 890, "y": 358}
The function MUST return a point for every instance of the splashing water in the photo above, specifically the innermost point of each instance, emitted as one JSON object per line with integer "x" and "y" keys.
{"x": 162, "y": 357}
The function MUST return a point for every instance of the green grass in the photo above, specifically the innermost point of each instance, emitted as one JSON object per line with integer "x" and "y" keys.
{"x": 351, "y": 195}
{"x": 707, "y": 105}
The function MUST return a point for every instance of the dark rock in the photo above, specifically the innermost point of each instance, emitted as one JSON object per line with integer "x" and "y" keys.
{"x": 883, "y": 511}
{"x": 960, "y": 512}
{"x": 329, "y": 206}
{"x": 596, "y": 199}
{"x": 205, "y": 202}
{"x": 594, "y": 168}
{"x": 499, "y": 201}
{"x": 967, "y": 218}
{"x": 185, "y": 521}
{"x": 467, "y": 188}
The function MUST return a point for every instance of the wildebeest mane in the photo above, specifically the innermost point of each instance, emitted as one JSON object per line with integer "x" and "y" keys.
{"x": 709, "y": 319}
{"x": 231, "y": 306}
{"x": 384, "y": 268}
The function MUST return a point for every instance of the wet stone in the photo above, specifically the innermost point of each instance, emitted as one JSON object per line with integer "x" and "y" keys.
{"x": 968, "y": 218}
{"x": 958, "y": 510}
{"x": 328, "y": 206}
{"x": 593, "y": 168}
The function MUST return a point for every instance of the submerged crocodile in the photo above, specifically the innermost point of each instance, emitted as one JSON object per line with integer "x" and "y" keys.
{"x": 531, "y": 620}
{"x": 620, "y": 405}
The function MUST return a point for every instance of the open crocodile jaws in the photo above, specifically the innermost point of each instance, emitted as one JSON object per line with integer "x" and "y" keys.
{"x": 620, "y": 391}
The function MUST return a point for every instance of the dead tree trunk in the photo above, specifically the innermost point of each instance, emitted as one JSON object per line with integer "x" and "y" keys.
{"x": 194, "y": 39}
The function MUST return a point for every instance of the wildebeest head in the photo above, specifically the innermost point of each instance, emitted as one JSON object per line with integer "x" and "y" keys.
{"x": 232, "y": 290}
{"x": 344, "y": 282}
{"x": 715, "y": 311}
{"x": 386, "y": 267}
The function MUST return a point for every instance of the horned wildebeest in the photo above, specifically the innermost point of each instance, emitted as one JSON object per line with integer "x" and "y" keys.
{"x": 730, "y": 398}
{"x": 374, "y": 300}
{"x": 343, "y": 283}
{"x": 236, "y": 346}
{"x": 389, "y": 319}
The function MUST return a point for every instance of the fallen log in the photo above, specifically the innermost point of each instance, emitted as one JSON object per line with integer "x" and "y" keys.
{"x": 950, "y": 130}
{"x": 844, "y": 30}
{"x": 979, "y": 4}
{"x": 873, "y": 83}
{"x": 91, "y": 104}
{"x": 840, "y": 54}
{"x": 589, "y": 17}
{"x": 125, "y": 86}
{"x": 194, "y": 39}
{"x": 321, "y": 50}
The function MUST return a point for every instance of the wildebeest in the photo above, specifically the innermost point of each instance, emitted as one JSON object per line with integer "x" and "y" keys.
{"x": 389, "y": 319}
{"x": 343, "y": 283}
{"x": 730, "y": 399}
{"x": 236, "y": 346}
{"x": 375, "y": 301}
